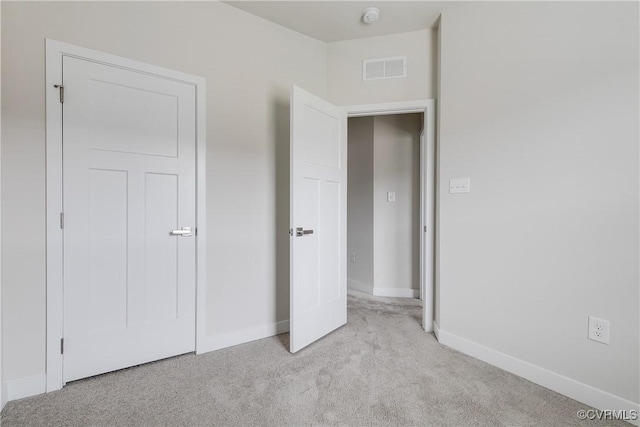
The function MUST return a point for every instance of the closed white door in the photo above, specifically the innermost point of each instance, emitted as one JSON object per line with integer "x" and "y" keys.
{"x": 318, "y": 218}
{"x": 129, "y": 188}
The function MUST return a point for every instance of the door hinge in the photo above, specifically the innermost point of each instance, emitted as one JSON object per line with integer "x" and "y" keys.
{"x": 291, "y": 232}
{"x": 425, "y": 228}
{"x": 61, "y": 220}
{"x": 61, "y": 345}
{"x": 61, "y": 92}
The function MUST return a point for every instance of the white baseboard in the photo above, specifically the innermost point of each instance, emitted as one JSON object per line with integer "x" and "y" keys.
{"x": 23, "y": 387}
{"x": 581, "y": 392}
{"x": 377, "y": 291}
{"x": 217, "y": 342}
{"x": 396, "y": 292}
{"x": 4, "y": 396}
{"x": 354, "y": 285}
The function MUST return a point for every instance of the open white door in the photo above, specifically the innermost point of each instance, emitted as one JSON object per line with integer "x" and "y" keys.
{"x": 318, "y": 218}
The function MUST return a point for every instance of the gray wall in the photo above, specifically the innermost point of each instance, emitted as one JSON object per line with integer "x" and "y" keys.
{"x": 360, "y": 200}
{"x": 249, "y": 65}
{"x": 396, "y": 167}
{"x": 344, "y": 68}
{"x": 539, "y": 107}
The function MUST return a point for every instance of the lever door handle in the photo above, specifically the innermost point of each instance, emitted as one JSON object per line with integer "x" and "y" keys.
{"x": 301, "y": 232}
{"x": 184, "y": 232}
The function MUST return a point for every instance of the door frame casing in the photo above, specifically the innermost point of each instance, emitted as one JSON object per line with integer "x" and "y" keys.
{"x": 55, "y": 51}
{"x": 428, "y": 185}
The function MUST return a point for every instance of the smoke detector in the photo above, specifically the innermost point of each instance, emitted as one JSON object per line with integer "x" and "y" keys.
{"x": 371, "y": 15}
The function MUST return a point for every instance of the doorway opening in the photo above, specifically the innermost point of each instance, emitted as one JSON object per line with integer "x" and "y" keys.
{"x": 383, "y": 199}
{"x": 391, "y": 202}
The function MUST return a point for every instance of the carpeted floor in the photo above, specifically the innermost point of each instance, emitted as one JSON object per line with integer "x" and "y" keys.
{"x": 379, "y": 369}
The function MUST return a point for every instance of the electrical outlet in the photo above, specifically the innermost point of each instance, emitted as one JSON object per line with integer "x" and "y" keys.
{"x": 352, "y": 258}
{"x": 598, "y": 330}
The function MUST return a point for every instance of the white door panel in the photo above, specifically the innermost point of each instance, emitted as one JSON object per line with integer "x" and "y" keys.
{"x": 318, "y": 203}
{"x": 128, "y": 120}
{"x": 129, "y": 180}
{"x": 106, "y": 250}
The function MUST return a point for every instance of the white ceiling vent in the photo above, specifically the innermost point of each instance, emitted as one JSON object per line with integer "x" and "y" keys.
{"x": 384, "y": 68}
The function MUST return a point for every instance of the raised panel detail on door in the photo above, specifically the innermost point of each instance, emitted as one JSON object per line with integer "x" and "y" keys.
{"x": 321, "y": 143}
{"x": 331, "y": 253}
{"x": 132, "y": 119}
{"x": 129, "y": 181}
{"x": 107, "y": 250}
{"x": 308, "y": 267}
{"x": 161, "y": 214}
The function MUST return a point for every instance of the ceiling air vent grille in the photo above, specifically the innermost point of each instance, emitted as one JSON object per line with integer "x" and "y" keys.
{"x": 384, "y": 68}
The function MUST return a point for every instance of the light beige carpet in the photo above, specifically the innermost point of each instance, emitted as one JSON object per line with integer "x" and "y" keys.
{"x": 379, "y": 369}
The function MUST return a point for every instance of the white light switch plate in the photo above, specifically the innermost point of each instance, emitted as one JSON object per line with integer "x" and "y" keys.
{"x": 459, "y": 185}
{"x": 391, "y": 196}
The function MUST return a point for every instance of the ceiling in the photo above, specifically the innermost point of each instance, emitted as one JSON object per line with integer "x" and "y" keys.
{"x": 332, "y": 21}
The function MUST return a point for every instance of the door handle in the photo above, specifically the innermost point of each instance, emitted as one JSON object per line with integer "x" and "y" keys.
{"x": 301, "y": 232}
{"x": 184, "y": 232}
